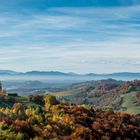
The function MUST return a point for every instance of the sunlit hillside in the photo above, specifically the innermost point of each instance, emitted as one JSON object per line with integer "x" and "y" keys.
{"x": 41, "y": 117}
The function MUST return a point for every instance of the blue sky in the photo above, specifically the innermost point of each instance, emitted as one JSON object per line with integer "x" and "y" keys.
{"x": 100, "y": 36}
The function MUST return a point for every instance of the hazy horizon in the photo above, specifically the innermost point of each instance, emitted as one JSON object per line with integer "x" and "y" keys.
{"x": 68, "y": 72}
{"x": 83, "y": 36}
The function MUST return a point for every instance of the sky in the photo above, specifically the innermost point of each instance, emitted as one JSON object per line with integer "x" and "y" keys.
{"x": 82, "y": 36}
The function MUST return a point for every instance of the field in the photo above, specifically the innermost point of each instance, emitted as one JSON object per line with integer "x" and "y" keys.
{"x": 10, "y": 101}
{"x": 129, "y": 103}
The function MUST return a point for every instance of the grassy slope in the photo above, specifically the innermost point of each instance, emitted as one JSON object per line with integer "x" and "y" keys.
{"x": 129, "y": 103}
{"x": 19, "y": 99}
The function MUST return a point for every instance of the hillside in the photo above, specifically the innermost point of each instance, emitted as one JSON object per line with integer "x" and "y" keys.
{"x": 51, "y": 119}
{"x": 118, "y": 95}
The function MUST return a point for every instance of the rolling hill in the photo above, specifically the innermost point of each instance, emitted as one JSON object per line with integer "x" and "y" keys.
{"x": 41, "y": 117}
{"x": 110, "y": 93}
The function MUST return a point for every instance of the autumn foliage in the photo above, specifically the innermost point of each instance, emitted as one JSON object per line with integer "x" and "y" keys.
{"x": 60, "y": 121}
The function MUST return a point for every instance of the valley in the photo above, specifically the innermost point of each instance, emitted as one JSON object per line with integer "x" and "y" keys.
{"x": 118, "y": 95}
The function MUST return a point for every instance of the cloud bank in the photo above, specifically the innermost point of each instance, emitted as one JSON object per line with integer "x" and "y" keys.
{"x": 79, "y": 39}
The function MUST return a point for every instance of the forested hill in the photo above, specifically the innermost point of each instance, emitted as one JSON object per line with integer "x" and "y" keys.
{"x": 119, "y": 95}
{"x": 43, "y": 117}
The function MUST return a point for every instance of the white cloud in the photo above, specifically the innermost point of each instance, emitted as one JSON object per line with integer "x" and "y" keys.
{"x": 73, "y": 39}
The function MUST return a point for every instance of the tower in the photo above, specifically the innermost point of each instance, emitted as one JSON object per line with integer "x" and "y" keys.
{"x": 0, "y": 86}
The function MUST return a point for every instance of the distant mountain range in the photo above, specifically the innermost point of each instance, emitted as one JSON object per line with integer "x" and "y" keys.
{"x": 57, "y": 73}
{"x": 8, "y": 72}
{"x": 119, "y": 74}
{"x": 35, "y": 73}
